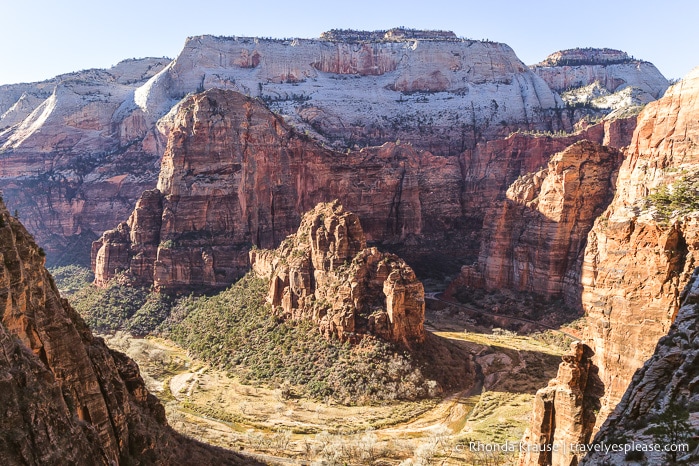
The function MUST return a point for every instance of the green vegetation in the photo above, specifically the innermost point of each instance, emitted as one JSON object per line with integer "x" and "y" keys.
{"x": 71, "y": 278}
{"x": 681, "y": 197}
{"x": 109, "y": 309}
{"x": 236, "y": 331}
{"x": 672, "y": 427}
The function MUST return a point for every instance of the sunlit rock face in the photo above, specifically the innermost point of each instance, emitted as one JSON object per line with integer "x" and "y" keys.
{"x": 66, "y": 397}
{"x": 326, "y": 274}
{"x": 79, "y": 149}
{"x": 234, "y": 175}
{"x": 77, "y": 152}
{"x": 601, "y": 79}
{"x": 667, "y": 379}
{"x": 637, "y": 260}
{"x": 533, "y": 239}
{"x": 429, "y": 88}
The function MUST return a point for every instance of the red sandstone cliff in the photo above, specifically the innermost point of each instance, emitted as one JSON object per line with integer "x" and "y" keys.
{"x": 640, "y": 254}
{"x": 564, "y": 412}
{"x": 533, "y": 239}
{"x": 76, "y": 153}
{"x": 326, "y": 274}
{"x": 668, "y": 378}
{"x": 235, "y": 175}
{"x": 66, "y": 397}
{"x": 637, "y": 261}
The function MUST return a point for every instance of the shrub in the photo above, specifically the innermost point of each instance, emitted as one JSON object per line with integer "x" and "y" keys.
{"x": 237, "y": 331}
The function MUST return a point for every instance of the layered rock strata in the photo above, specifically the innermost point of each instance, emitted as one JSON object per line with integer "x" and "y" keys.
{"x": 639, "y": 258}
{"x": 563, "y": 412}
{"x": 234, "y": 175}
{"x": 78, "y": 150}
{"x": 534, "y": 239}
{"x": 75, "y": 156}
{"x": 66, "y": 397}
{"x": 431, "y": 89}
{"x": 613, "y": 70}
{"x": 668, "y": 378}
{"x": 326, "y": 274}
{"x": 640, "y": 252}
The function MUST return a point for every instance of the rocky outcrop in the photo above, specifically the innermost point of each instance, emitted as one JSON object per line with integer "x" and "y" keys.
{"x": 326, "y": 274}
{"x": 612, "y": 69}
{"x": 235, "y": 175}
{"x": 597, "y": 81}
{"x": 533, "y": 240}
{"x": 66, "y": 397}
{"x": 75, "y": 155}
{"x": 78, "y": 150}
{"x": 563, "y": 412}
{"x": 668, "y": 378}
{"x": 639, "y": 259}
{"x": 640, "y": 254}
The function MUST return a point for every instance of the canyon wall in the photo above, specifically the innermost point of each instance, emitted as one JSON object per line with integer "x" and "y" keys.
{"x": 76, "y": 151}
{"x": 564, "y": 412}
{"x": 234, "y": 175}
{"x": 669, "y": 378}
{"x": 440, "y": 93}
{"x": 533, "y": 240}
{"x": 640, "y": 255}
{"x": 73, "y": 158}
{"x": 593, "y": 82}
{"x": 638, "y": 258}
{"x": 66, "y": 397}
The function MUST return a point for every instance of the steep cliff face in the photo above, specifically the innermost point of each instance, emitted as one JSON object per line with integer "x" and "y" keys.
{"x": 78, "y": 150}
{"x": 67, "y": 398}
{"x": 235, "y": 175}
{"x": 533, "y": 240}
{"x": 563, "y": 412}
{"x": 433, "y": 90}
{"x": 326, "y": 274}
{"x": 601, "y": 78}
{"x": 668, "y": 378}
{"x": 76, "y": 154}
{"x": 639, "y": 258}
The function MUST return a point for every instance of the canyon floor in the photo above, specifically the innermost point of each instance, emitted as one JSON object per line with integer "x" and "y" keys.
{"x": 281, "y": 428}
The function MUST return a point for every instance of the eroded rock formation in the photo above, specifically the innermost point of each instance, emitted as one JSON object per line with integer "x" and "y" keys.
{"x": 668, "y": 378}
{"x": 66, "y": 397}
{"x": 77, "y": 153}
{"x": 641, "y": 253}
{"x": 533, "y": 240}
{"x": 235, "y": 175}
{"x": 639, "y": 259}
{"x": 564, "y": 412}
{"x": 78, "y": 150}
{"x": 325, "y": 273}
{"x": 602, "y": 79}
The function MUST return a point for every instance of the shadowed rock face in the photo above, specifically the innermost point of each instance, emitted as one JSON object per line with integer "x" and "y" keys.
{"x": 533, "y": 240}
{"x": 325, "y": 273}
{"x": 79, "y": 149}
{"x": 637, "y": 262}
{"x": 67, "y": 398}
{"x": 668, "y": 378}
{"x": 564, "y": 412}
{"x": 235, "y": 175}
